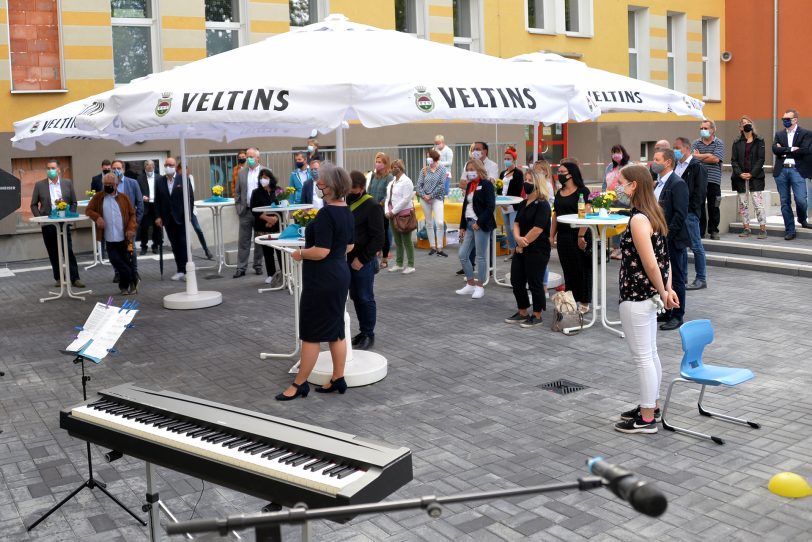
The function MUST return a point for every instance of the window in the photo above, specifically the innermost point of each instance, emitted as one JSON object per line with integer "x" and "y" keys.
{"x": 409, "y": 17}
{"x": 466, "y": 25}
{"x": 677, "y": 54}
{"x": 540, "y": 15}
{"x": 710, "y": 59}
{"x": 222, "y": 26}
{"x": 35, "y": 46}
{"x": 638, "y": 43}
{"x": 633, "y": 70}
{"x": 670, "y": 41}
{"x": 646, "y": 150}
{"x": 571, "y": 17}
{"x": 133, "y": 39}
{"x": 305, "y": 12}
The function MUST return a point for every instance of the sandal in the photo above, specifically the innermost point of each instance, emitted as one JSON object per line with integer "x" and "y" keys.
{"x": 762, "y": 234}
{"x": 745, "y": 233}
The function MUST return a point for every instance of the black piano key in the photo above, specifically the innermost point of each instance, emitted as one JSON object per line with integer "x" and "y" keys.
{"x": 300, "y": 461}
{"x": 183, "y": 428}
{"x": 132, "y": 415}
{"x": 171, "y": 424}
{"x": 315, "y": 467}
{"x": 208, "y": 435}
{"x": 238, "y": 442}
{"x": 250, "y": 446}
{"x": 257, "y": 446}
{"x": 115, "y": 410}
{"x": 222, "y": 438}
{"x": 315, "y": 460}
{"x": 148, "y": 418}
{"x": 346, "y": 472}
{"x": 164, "y": 423}
{"x": 331, "y": 470}
{"x": 198, "y": 432}
{"x": 273, "y": 449}
{"x": 217, "y": 435}
{"x": 275, "y": 454}
{"x": 262, "y": 448}
{"x": 288, "y": 455}
{"x": 289, "y": 459}
{"x": 228, "y": 441}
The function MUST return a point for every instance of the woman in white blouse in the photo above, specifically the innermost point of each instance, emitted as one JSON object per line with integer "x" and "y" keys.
{"x": 400, "y": 197}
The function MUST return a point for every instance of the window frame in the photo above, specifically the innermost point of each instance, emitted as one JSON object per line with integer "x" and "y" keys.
{"x": 548, "y": 11}
{"x": 586, "y": 22}
{"x": 63, "y": 80}
{"x": 679, "y": 49}
{"x": 322, "y": 11}
{"x": 711, "y": 61}
{"x": 420, "y": 18}
{"x": 476, "y": 41}
{"x": 153, "y": 23}
{"x": 241, "y": 27}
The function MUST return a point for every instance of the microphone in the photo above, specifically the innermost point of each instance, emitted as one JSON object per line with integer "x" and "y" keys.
{"x": 643, "y": 496}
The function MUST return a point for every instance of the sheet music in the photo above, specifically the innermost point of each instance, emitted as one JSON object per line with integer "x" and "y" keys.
{"x": 102, "y": 330}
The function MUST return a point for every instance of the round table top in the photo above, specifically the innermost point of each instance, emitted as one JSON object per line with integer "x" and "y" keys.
{"x": 611, "y": 220}
{"x": 508, "y": 200}
{"x": 283, "y": 209}
{"x": 82, "y": 203}
{"x": 49, "y": 220}
{"x": 204, "y": 203}
{"x": 274, "y": 241}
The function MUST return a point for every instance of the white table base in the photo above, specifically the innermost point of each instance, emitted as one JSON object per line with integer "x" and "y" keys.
{"x": 294, "y": 271}
{"x": 64, "y": 268}
{"x": 192, "y": 298}
{"x": 97, "y": 250}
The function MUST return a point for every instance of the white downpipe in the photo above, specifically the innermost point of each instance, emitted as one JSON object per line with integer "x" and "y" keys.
{"x": 775, "y": 64}
{"x": 191, "y": 279}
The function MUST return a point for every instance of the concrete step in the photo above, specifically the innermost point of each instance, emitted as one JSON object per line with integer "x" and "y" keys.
{"x": 773, "y": 229}
{"x": 795, "y": 250}
{"x": 755, "y": 263}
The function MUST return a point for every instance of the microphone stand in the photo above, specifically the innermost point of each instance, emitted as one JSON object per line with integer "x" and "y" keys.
{"x": 267, "y": 527}
{"x": 91, "y": 483}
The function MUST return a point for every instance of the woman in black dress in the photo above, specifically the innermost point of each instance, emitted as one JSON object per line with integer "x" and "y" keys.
{"x": 574, "y": 248}
{"x": 265, "y": 196}
{"x": 325, "y": 283}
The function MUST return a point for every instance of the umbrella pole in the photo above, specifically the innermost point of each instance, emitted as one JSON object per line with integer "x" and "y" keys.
{"x": 535, "y": 142}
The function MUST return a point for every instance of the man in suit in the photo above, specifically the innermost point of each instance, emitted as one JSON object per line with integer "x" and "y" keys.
{"x": 247, "y": 182}
{"x": 46, "y": 193}
{"x": 309, "y": 194}
{"x": 96, "y": 181}
{"x": 792, "y": 148}
{"x": 169, "y": 208}
{"x": 146, "y": 182}
{"x": 672, "y": 193}
{"x": 129, "y": 187}
{"x": 695, "y": 175}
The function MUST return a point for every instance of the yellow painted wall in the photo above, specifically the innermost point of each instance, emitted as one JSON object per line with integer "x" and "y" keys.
{"x": 380, "y": 13}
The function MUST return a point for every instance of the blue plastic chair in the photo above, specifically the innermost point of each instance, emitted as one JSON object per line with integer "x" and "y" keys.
{"x": 696, "y": 335}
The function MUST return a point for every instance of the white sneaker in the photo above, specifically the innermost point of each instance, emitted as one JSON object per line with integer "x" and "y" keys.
{"x": 178, "y": 276}
{"x": 479, "y": 291}
{"x": 395, "y": 268}
{"x": 269, "y": 280}
{"x": 408, "y": 270}
{"x": 467, "y": 289}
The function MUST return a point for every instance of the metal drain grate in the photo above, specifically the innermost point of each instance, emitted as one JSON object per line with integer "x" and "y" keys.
{"x": 562, "y": 387}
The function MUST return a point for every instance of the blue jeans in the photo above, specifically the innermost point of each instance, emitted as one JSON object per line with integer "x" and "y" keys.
{"x": 790, "y": 183}
{"x": 478, "y": 239}
{"x": 363, "y": 297}
{"x": 696, "y": 246}
{"x": 508, "y": 219}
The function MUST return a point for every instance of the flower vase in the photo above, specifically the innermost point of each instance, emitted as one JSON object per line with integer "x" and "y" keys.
{"x": 60, "y": 214}
{"x": 603, "y": 213}
{"x": 284, "y": 203}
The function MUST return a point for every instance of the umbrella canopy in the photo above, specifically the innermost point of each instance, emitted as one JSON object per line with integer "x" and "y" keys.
{"x": 378, "y": 77}
{"x": 613, "y": 92}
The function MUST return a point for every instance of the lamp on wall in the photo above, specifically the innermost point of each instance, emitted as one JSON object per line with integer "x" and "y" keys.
{"x": 726, "y": 56}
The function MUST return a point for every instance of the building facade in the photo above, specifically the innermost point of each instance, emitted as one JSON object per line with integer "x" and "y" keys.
{"x": 56, "y": 51}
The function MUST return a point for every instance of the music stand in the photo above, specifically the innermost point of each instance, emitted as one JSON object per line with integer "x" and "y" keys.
{"x": 91, "y": 482}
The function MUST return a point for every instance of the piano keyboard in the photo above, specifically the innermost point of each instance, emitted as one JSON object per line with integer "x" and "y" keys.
{"x": 280, "y": 460}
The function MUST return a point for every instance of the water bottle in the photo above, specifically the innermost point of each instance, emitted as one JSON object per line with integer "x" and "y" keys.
{"x": 581, "y": 206}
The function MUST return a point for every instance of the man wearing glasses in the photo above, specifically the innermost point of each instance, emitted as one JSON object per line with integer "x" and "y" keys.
{"x": 792, "y": 148}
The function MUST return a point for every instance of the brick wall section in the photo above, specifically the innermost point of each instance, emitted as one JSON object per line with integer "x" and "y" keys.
{"x": 34, "y": 45}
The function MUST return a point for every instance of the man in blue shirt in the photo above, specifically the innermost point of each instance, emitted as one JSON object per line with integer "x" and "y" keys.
{"x": 129, "y": 187}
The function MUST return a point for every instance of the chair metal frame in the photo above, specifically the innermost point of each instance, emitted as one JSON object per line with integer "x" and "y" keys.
{"x": 685, "y": 365}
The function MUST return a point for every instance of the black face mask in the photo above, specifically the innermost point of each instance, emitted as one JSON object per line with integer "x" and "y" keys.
{"x": 528, "y": 188}
{"x": 106, "y": 171}
{"x": 747, "y": 128}
{"x": 299, "y": 165}
{"x": 562, "y": 178}
{"x": 109, "y": 189}
{"x": 352, "y": 198}
{"x": 241, "y": 160}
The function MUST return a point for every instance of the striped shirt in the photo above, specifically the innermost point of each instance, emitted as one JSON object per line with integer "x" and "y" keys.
{"x": 716, "y": 148}
{"x": 431, "y": 183}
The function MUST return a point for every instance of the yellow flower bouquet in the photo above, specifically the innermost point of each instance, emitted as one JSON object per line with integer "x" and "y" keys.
{"x": 217, "y": 190}
{"x": 304, "y": 216}
{"x": 90, "y": 193}
{"x": 61, "y": 205}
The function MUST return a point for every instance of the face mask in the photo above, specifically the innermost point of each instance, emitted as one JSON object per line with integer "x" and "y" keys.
{"x": 311, "y": 148}
{"x": 705, "y": 134}
{"x": 617, "y": 157}
{"x": 320, "y": 192}
{"x": 508, "y": 164}
{"x": 52, "y": 174}
{"x": 528, "y": 188}
{"x": 109, "y": 189}
{"x": 106, "y": 171}
{"x": 300, "y": 165}
{"x": 352, "y": 198}
{"x": 471, "y": 175}
{"x": 429, "y": 161}
{"x": 170, "y": 170}
{"x": 787, "y": 123}
{"x": 678, "y": 154}
{"x": 622, "y": 196}
{"x": 119, "y": 173}
{"x": 314, "y": 173}
{"x": 264, "y": 182}
{"x": 657, "y": 168}
{"x": 252, "y": 162}
{"x": 240, "y": 160}
{"x": 747, "y": 128}
{"x": 562, "y": 178}
{"x": 476, "y": 155}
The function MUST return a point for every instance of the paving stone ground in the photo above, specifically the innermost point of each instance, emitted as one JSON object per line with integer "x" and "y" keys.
{"x": 462, "y": 393}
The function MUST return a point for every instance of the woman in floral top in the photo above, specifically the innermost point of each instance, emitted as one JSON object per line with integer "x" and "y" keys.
{"x": 645, "y": 288}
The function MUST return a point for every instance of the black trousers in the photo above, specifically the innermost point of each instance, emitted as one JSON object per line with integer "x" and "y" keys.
{"x": 386, "y": 244}
{"x": 147, "y": 222}
{"x": 177, "y": 236}
{"x": 527, "y": 270}
{"x": 270, "y": 264}
{"x": 576, "y": 264}
{"x": 120, "y": 259}
{"x": 51, "y": 239}
{"x": 709, "y": 221}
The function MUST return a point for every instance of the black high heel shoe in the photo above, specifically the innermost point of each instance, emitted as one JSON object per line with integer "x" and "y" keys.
{"x": 301, "y": 389}
{"x": 339, "y": 385}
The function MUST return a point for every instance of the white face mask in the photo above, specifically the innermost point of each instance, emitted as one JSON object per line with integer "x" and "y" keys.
{"x": 170, "y": 170}
{"x": 429, "y": 161}
{"x": 264, "y": 182}
{"x": 476, "y": 155}
{"x": 471, "y": 175}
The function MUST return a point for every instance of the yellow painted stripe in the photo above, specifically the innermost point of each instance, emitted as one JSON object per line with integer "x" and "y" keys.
{"x": 183, "y": 54}
{"x": 658, "y": 32}
{"x": 694, "y": 77}
{"x": 695, "y": 36}
{"x": 441, "y": 11}
{"x": 4, "y": 52}
{"x": 88, "y": 52}
{"x": 285, "y": 2}
{"x": 694, "y": 57}
{"x": 183, "y": 23}
{"x": 84, "y": 18}
{"x": 2, "y": 15}
{"x": 441, "y": 37}
{"x": 658, "y": 53}
{"x": 270, "y": 27}
{"x": 659, "y": 76}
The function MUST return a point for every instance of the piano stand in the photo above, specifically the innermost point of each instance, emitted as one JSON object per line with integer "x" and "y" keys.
{"x": 91, "y": 483}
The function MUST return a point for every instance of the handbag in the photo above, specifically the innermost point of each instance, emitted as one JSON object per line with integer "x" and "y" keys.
{"x": 567, "y": 315}
{"x": 405, "y": 221}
